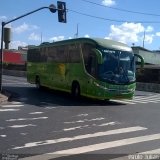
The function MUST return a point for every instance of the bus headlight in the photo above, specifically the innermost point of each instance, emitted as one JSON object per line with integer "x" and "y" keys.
{"x": 100, "y": 86}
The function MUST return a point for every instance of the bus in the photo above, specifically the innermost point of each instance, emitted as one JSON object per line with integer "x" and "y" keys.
{"x": 92, "y": 67}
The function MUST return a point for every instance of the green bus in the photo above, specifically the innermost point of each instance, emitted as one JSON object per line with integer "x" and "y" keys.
{"x": 92, "y": 67}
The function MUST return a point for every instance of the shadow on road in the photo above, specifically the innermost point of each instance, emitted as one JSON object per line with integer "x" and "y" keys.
{"x": 45, "y": 97}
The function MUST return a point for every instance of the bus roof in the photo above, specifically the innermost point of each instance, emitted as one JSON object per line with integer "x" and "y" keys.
{"x": 106, "y": 43}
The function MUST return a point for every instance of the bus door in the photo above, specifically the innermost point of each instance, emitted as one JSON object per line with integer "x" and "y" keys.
{"x": 92, "y": 70}
{"x": 74, "y": 67}
{"x": 61, "y": 67}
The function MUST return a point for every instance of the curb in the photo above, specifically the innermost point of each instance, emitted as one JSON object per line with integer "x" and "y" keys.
{"x": 4, "y": 96}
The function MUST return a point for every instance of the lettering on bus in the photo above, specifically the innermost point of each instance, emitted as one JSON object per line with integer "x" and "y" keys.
{"x": 108, "y": 51}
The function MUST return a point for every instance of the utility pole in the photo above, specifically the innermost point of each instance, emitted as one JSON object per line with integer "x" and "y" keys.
{"x": 41, "y": 37}
{"x": 144, "y": 36}
{"x": 77, "y": 32}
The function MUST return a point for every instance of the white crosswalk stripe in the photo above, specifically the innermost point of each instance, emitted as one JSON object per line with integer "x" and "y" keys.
{"x": 84, "y": 147}
{"x": 96, "y": 147}
{"x": 88, "y": 148}
{"x": 80, "y": 137}
{"x": 123, "y": 101}
{"x": 141, "y": 99}
{"x": 13, "y": 106}
{"x": 6, "y": 110}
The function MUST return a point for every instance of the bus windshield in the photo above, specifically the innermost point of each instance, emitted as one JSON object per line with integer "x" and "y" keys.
{"x": 118, "y": 67}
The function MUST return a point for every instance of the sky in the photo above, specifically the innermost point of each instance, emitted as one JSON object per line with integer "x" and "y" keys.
{"x": 134, "y": 22}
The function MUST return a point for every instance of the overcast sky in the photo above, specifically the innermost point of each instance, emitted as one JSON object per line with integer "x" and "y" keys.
{"x": 122, "y": 20}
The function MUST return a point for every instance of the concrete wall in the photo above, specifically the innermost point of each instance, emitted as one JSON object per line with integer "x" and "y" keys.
{"x": 149, "y": 87}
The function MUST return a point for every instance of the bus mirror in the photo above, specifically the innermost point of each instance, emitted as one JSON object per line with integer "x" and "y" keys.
{"x": 99, "y": 56}
{"x": 141, "y": 58}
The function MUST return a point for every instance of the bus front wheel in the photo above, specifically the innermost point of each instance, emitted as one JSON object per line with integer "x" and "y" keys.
{"x": 75, "y": 90}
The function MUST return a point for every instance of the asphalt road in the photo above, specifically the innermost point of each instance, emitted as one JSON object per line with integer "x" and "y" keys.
{"x": 35, "y": 123}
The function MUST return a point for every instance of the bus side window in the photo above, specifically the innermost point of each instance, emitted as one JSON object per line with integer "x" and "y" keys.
{"x": 52, "y": 51}
{"x": 34, "y": 55}
{"x": 43, "y": 54}
{"x": 74, "y": 53}
{"x": 57, "y": 54}
{"x": 61, "y": 54}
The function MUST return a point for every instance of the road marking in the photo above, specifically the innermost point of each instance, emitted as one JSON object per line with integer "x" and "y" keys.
{"x": 12, "y": 105}
{"x": 82, "y": 115}
{"x": 153, "y": 101}
{"x": 3, "y": 136}
{"x": 123, "y": 101}
{"x": 107, "y": 124}
{"x": 16, "y": 102}
{"x": 145, "y": 97}
{"x": 137, "y": 99}
{"x": 6, "y": 110}
{"x": 15, "y": 80}
{"x": 94, "y": 147}
{"x": 84, "y": 126}
{"x": 15, "y": 83}
{"x": 85, "y": 120}
{"x": 24, "y": 134}
{"x": 74, "y": 128}
{"x": 26, "y": 119}
{"x": 22, "y": 126}
{"x": 80, "y": 137}
{"x": 36, "y": 113}
{"x": 145, "y": 100}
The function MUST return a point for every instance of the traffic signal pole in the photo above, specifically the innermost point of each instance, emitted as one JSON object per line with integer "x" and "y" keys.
{"x": 52, "y": 8}
{"x": 1, "y": 56}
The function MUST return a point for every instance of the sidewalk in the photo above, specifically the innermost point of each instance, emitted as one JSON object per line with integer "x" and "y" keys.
{"x": 4, "y": 97}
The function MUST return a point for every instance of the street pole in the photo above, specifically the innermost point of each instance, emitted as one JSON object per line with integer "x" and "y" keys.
{"x": 1, "y": 56}
{"x": 52, "y": 8}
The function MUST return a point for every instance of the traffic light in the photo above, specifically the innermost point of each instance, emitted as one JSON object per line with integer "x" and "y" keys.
{"x": 61, "y": 6}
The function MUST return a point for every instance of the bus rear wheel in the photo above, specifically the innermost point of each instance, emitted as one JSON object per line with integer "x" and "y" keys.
{"x": 37, "y": 81}
{"x": 75, "y": 90}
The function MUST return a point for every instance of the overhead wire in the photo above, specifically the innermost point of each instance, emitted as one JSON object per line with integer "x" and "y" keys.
{"x": 123, "y": 10}
{"x": 113, "y": 20}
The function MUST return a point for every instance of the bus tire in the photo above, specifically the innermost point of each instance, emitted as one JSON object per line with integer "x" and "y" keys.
{"x": 75, "y": 90}
{"x": 37, "y": 82}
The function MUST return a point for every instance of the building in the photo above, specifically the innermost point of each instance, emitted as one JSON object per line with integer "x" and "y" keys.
{"x": 152, "y": 58}
{"x": 15, "y": 56}
{"x": 151, "y": 71}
